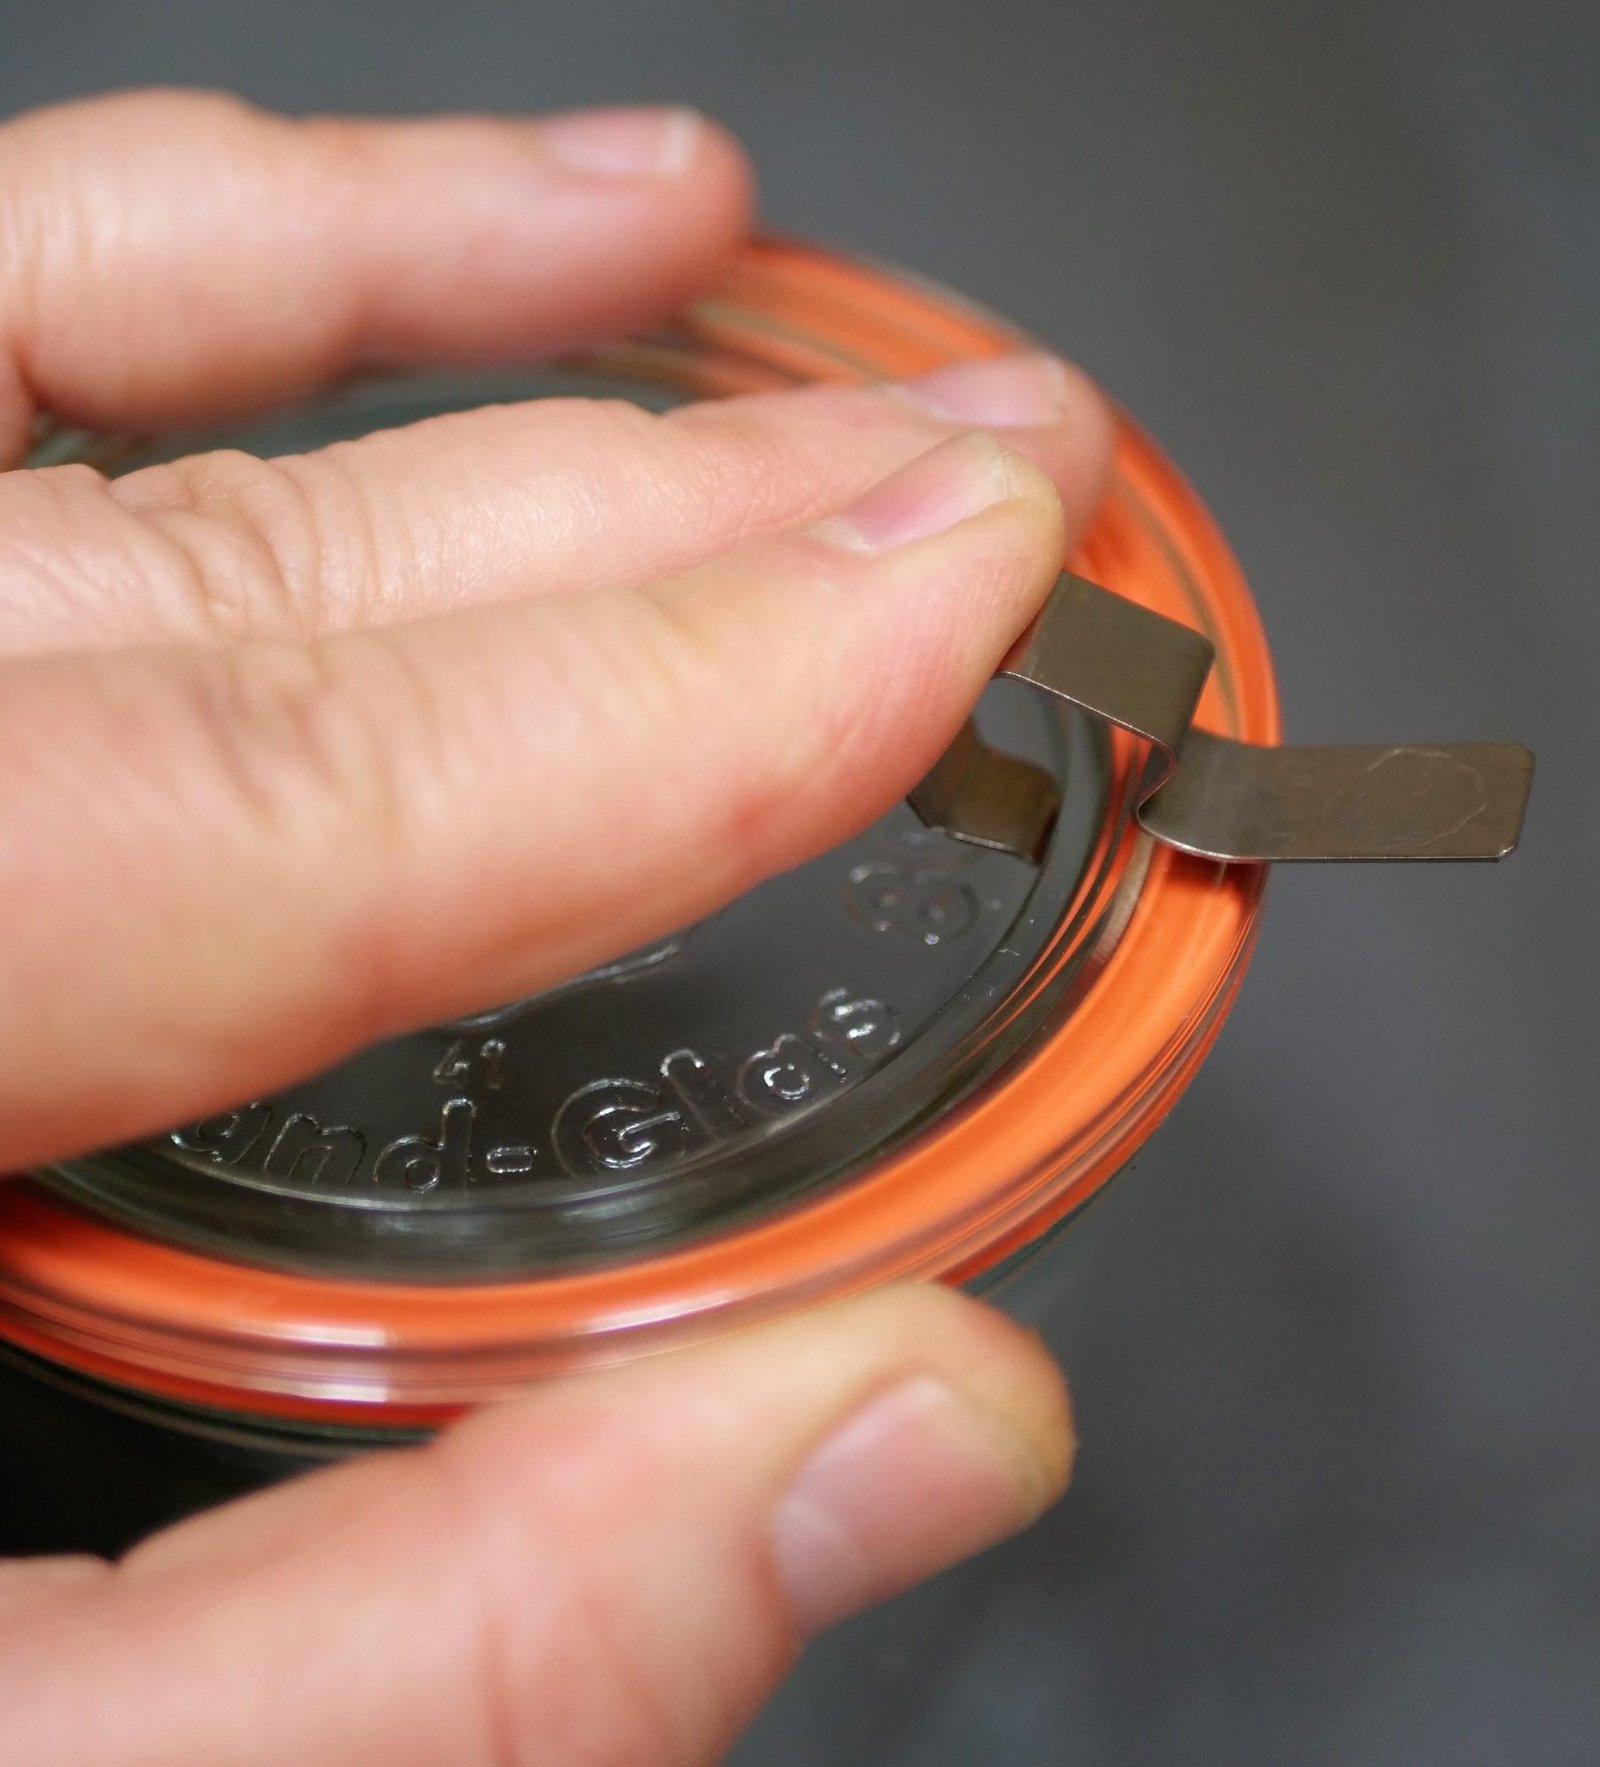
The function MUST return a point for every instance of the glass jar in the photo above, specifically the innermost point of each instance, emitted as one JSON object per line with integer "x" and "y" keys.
{"x": 908, "y": 1058}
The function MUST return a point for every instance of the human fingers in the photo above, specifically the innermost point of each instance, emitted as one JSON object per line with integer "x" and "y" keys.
{"x": 168, "y": 258}
{"x": 489, "y": 505}
{"x": 614, "y": 1570}
{"x": 220, "y": 869}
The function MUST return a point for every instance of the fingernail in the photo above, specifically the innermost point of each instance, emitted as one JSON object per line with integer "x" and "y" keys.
{"x": 644, "y": 143}
{"x": 917, "y": 1479}
{"x": 1004, "y": 391}
{"x": 958, "y": 479}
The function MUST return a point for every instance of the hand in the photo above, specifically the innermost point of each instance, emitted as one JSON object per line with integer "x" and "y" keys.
{"x": 269, "y": 733}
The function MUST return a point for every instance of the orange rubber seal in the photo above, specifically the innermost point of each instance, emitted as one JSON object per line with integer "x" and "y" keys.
{"x": 965, "y": 1193}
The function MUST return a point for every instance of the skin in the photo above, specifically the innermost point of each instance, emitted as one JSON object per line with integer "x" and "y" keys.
{"x": 294, "y": 708}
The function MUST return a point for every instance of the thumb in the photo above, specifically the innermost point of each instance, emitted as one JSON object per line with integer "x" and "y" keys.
{"x": 616, "y": 1569}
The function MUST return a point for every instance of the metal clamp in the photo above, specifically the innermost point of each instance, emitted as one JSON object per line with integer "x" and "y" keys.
{"x": 1213, "y": 796}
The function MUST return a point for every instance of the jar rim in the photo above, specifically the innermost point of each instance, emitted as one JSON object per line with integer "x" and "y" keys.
{"x": 1034, "y": 1144}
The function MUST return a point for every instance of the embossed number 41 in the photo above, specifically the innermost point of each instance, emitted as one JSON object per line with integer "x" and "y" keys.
{"x": 468, "y": 1066}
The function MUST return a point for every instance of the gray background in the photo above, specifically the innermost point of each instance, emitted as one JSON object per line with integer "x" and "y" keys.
{"x": 1339, "y": 1497}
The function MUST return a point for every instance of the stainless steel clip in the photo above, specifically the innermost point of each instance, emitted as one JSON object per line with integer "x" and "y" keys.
{"x": 1211, "y": 795}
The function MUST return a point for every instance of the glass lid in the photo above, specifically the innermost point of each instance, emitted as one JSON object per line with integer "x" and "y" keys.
{"x": 731, "y": 1068}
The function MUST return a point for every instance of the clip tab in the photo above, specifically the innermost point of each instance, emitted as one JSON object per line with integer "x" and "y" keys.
{"x": 1208, "y": 795}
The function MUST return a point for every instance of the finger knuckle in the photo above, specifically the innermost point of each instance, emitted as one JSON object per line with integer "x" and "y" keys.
{"x": 63, "y": 164}
{"x": 170, "y": 106}
{"x": 610, "y": 460}
{"x": 592, "y": 434}
{"x": 257, "y": 544}
{"x": 745, "y": 467}
{"x": 340, "y": 154}
{"x": 47, "y": 226}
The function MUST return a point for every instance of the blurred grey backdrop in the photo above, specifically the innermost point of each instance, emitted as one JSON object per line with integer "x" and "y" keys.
{"x": 1339, "y": 1367}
